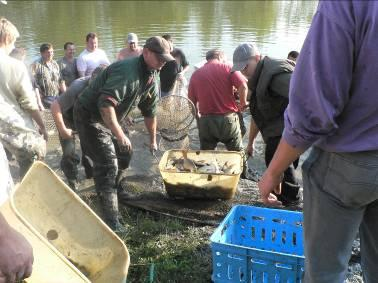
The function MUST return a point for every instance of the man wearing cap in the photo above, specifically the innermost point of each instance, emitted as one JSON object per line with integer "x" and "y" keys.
{"x": 211, "y": 91}
{"x": 132, "y": 49}
{"x": 105, "y": 103}
{"x": 268, "y": 80}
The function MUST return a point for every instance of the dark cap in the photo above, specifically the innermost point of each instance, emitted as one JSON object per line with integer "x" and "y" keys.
{"x": 160, "y": 46}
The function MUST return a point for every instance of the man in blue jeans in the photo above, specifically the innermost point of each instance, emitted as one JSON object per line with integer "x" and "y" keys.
{"x": 334, "y": 107}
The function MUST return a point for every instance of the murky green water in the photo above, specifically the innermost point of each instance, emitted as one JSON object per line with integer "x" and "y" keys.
{"x": 196, "y": 26}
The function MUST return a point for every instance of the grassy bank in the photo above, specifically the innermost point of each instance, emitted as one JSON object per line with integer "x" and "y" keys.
{"x": 177, "y": 250}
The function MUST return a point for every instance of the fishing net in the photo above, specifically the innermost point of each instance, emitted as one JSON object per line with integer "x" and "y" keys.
{"x": 175, "y": 114}
{"x": 53, "y": 141}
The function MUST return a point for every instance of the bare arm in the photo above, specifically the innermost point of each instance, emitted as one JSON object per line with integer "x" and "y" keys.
{"x": 16, "y": 254}
{"x": 110, "y": 119}
{"x": 36, "y": 116}
{"x": 243, "y": 91}
{"x": 56, "y": 111}
{"x": 270, "y": 181}
{"x": 151, "y": 127}
{"x": 253, "y": 131}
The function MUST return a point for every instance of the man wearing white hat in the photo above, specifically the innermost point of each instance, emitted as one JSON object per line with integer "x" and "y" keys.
{"x": 132, "y": 49}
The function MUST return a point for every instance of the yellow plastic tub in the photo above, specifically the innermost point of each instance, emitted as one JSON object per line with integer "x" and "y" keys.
{"x": 201, "y": 185}
{"x": 50, "y": 266}
{"x": 79, "y": 236}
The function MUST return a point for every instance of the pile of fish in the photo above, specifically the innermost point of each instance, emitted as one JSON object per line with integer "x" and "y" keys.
{"x": 185, "y": 164}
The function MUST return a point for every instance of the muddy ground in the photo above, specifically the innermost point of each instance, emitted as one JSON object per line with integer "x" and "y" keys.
{"x": 144, "y": 183}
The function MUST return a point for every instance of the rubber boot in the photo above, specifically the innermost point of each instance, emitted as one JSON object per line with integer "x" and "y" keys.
{"x": 110, "y": 208}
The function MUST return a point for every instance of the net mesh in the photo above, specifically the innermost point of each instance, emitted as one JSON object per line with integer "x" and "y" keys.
{"x": 53, "y": 141}
{"x": 175, "y": 114}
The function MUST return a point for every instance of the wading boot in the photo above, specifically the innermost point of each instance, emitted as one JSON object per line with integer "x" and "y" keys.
{"x": 110, "y": 208}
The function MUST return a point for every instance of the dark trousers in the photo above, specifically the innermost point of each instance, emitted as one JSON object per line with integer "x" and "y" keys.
{"x": 70, "y": 159}
{"x": 289, "y": 186}
{"x": 99, "y": 144}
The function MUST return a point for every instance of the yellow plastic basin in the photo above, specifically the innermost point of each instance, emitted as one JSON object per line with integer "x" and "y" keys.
{"x": 71, "y": 227}
{"x": 201, "y": 185}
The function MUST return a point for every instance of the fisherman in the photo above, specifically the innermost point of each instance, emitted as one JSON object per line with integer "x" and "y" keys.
{"x": 91, "y": 57}
{"x": 173, "y": 70}
{"x": 67, "y": 64}
{"x": 47, "y": 77}
{"x": 18, "y": 105}
{"x": 132, "y": 49}
{"x": 104, "y": 103}
{"x": 268, "y": 80}
{"x": 333, "y": 106}
{"x": 62, "y": 112}
{"x": 211, "y": 91}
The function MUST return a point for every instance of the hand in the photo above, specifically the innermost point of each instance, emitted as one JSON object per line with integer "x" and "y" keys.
{"x": 16, "y": 256}
{"x": 43, "y": 132}
{"x": 66, "y": 134}
{"x": 153, "y": 148}
{"x": 268, "y": 184}
{"x": 180, "y": 77}
{"x": 249, "y": 150}
{"x": 124, "y": 143}
{"x": 243, "y": 106}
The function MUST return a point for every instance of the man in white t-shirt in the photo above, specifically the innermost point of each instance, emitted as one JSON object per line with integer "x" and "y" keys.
{"x": 91, "y": 57}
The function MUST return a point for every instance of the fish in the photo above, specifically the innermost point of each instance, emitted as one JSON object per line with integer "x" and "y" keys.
{"x": 229, "y": 168}
{"x": 188, "y": 164}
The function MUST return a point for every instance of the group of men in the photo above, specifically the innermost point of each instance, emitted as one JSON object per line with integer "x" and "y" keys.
{"x": 328, "y": 102}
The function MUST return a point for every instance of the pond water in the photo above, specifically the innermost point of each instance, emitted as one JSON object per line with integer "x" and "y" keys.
{"x": 276, "y": 27}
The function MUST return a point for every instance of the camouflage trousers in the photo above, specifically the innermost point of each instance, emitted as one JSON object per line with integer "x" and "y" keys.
{"x": 26, "y": 146}
{"x": 108, "y": 160}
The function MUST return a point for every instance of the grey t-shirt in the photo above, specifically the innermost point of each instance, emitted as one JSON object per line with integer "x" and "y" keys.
{"x": 67, "y": 100}
{"x": 68, "y": 70}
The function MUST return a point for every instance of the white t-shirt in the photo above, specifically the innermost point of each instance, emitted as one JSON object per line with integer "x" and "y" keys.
{"x": 88, "y": 61}
{"x": 6, "y": 182}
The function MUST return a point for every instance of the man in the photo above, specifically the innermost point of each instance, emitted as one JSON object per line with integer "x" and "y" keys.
{"x": 268, "y": 80}
{"x": 16, "y": 253}
{"x": 173, "y": 70}
{"x": 132, "y": 49}
{"x": 67, "y": 64}
{"x": 18, "y": 105}
{"x": 333, "y": 106}
{"x": 211, "y": 91}
{"x": 91, "y": 57}
{"x": 62, "y": 112}
{"x": 47, "y": 77}
{"x": 105, "y": 103}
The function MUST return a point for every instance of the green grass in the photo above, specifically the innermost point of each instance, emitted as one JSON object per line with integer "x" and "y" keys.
{"x": 179, "y": 251}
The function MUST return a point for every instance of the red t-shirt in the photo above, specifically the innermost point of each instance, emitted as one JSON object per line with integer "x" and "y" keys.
{"x": 211, "y": 88}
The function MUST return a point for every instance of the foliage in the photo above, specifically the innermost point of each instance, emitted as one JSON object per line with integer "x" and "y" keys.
{"x": 179, "y": 251}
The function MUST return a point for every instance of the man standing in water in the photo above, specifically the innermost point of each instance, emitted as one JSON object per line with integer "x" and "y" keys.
{"x": 105, "y": 103}
{"x": 91, "y": 57}
{"x": 132, "y": 49}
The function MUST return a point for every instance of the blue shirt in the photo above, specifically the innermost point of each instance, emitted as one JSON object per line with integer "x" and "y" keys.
{"x": 333, "y": 99}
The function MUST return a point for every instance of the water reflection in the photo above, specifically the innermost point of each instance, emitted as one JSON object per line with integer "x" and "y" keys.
{"x": 276, "y": 26}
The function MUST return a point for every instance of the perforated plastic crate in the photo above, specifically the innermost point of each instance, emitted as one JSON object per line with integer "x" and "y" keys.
{"x": 254, "y": 244}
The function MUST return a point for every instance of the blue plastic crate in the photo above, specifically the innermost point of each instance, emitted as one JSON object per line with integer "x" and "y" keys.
{"x": 255, "y": 244}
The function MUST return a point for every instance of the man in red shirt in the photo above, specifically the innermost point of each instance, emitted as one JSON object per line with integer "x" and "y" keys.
{"x": 211, "y": 91}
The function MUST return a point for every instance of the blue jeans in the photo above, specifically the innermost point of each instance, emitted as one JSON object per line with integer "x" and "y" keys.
{"x": 340, "y": 199}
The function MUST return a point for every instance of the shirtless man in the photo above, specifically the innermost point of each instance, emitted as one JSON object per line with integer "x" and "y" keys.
{"x": 132, "y": 49}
